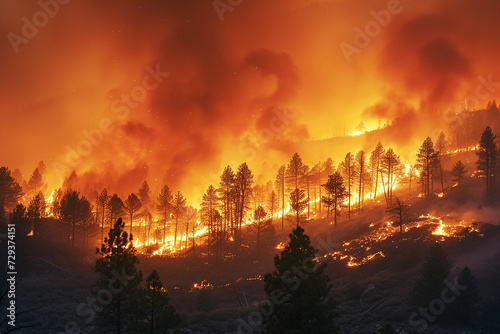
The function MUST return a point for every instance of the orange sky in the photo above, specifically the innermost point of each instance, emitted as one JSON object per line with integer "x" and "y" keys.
{"x": 256, "y": 86}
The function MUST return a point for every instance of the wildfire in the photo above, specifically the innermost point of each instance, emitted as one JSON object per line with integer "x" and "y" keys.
{"x": 280, "y": 246}
{"x": 364, "y": 249}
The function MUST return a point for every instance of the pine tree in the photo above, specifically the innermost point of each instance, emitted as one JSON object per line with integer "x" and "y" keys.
{"x": 336, "y": 193}
{"x": 487, "y": 157}
{"x": 132, "y": 206}
{"x": 243, "y": 187}
{"x": 164, "y": 207}
{"x": 441, "y": 148}
{"x": 226, "y": 192}
{"x": 375, "y": 159}
{"x": 20, "y": 219}
{"x": 101, "y": 205}
{"x": 400, "y": 213}
{"x": 298, "y": 202}
{"x": 10, "y": 190}
{"x": 465, "y": 308}
{"x": 117, "y": 269}
{"x": 390, "y": 165}
{"x": 179, "y": 208}
{"x": 361, "y": 166}
{"x": 349, "y": 174}
{"x": 427, "y": 162}
{"x": 434, "y": 271}
{"x": 279, "y": 183}
{"x": 299, "y": 291}
{"x": 156, "y": 315}
{"x": 259, "y": 225}
{"x": 75, "y": 210}
{"x": 458, "y": 172}
{"x": 116, "y": 209}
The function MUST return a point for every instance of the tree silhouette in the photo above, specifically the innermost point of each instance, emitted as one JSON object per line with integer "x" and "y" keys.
{"x": 299, "y": 291}
{"x": 243, "y": 182}
{"x": 20, "y": 219}
{"x": 36, "y": 210}
{"x": 132, "y": 206}
{"x": 10, "y": 190}
{"x": 74, "y": 210}
{"x": 375, "y": 159}
{"x": 35, "y": 183}
{"x": 144, "y": 194}
{"x": 400, "y": 213}
{"x": 434, "y": 271}
{"x": 295, "y": 172}
{"x": 298, "y": 202}
{"x": 117, "y": 269}
{"x": 209, "y": 215}
{"x": 441, "y": 148}
{"x": 427, "y": 162}
{"x": 164, "y": 206}
{"x": 179, "y": 208}
{"x": 258, "y": 225}
{"x": 156, "y": 314}
{"x": 226, "y": 191}
{"x": 466, "y": 307}
{"x": 336, "y": 193}
{"x": 360, "y": 164}
{"x": 348, "y": 172}
{"x": 391, "y": 167}
{"x": 279, "y": 183}
{"x": 116, "y": 208}
{"x": 487, "y": 158}
{"x": 458, "y": 172}
{"x": 101, "y": 205}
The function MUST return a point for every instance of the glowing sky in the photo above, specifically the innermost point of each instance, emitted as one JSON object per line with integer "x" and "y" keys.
{"x": 255, "y": 86}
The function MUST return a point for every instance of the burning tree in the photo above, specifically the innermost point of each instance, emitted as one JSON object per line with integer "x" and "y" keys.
{"x": 487, "y": 158}
{"x": 336, "y": 193}
{"x": 299, "y": 291}
{"x": 117, "y": 272}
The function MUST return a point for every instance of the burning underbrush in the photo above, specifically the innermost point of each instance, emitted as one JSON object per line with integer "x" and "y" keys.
{"x": 384, "y": 237}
